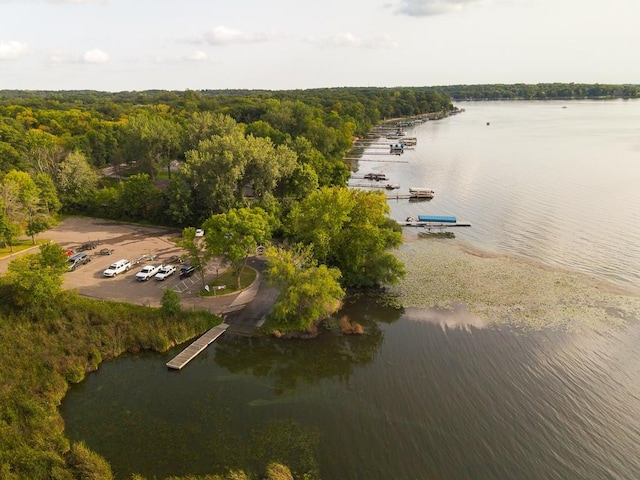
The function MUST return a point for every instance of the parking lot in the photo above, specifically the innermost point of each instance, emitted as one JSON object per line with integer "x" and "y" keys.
{"x": 129, "y": 242}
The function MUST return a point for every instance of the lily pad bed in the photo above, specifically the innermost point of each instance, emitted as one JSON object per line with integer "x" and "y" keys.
{"x": 502, "y": 289}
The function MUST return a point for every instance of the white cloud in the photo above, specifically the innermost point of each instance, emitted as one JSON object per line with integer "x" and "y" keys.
{"x": 197, "y": 56}
{"x": 90, "y": 56}
{"x": 95, "y": 56}
{"x": 425, "y": 8}
{"x": 222, "y": 35}
{"x": 13, "y": 50}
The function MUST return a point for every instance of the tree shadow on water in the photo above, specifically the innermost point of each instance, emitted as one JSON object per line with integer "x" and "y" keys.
{"x": 293, "y": 361}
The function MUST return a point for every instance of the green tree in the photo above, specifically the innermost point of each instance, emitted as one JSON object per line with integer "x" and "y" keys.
{"x": 320, "y": 218}
{"x": 43, "y": 152}
{"x": 49, "y": 194}
{"x": 360, "y": 251}
{"x": 266, "y": 165}
{"x": 152, "y": 140}
{"x": 30, "y": 208}
{"x": 170, "y": 302}
{"x": 37, "y": 278}
{"x": 9, "y": 230}
{"x": 179, "y": 201}
{"x": 308, "y": 292}
{"x": 77, "y": 181}
{"x": 204, "y": 125}
{"x": 235, "y": 235}
{"x": 349, "y": 229}
{"x": 139, "y": 197}
{"x": 215, "y": 171}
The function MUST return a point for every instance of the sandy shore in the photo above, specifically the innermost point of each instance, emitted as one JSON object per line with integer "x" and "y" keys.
{"x": 508, "y": 290}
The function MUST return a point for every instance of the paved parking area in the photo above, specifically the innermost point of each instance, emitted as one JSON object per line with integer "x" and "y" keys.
{"x": 130, "y": 242}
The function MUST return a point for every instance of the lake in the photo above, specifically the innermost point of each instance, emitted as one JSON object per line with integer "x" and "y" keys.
{"x": 426, "y": 393}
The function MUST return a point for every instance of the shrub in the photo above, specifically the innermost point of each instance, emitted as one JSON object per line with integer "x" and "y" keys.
{"x": 170, "y": 302}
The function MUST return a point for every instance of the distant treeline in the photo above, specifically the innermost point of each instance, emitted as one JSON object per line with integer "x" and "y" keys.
{"x": 540, "y": 91}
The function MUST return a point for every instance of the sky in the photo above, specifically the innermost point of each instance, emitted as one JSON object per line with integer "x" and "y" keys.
{"x": 133, "y": 45}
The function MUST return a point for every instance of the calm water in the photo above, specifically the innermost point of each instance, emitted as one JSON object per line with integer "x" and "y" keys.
{"x": 556, "y": 184}
{"x": 412, "y": 399}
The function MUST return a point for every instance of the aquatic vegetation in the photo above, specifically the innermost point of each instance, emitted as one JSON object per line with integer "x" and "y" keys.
{"x": 509, "y": 290}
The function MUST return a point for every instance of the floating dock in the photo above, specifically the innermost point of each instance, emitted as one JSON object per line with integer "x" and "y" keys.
{"x": 196, "y": 347}
{"x": 430, "y": 225}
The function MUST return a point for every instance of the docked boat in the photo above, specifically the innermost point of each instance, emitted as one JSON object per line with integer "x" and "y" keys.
{"x": 421, "y": 192}
{"x": 397, "y": 134}
{"x": 375, "y": 176}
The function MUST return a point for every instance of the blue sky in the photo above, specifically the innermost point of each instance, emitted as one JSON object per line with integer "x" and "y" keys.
{"x": 116, "y": 45}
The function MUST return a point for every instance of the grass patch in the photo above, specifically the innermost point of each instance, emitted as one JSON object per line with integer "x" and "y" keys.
{"x": 228, "y": 280}
{"x": 20, "y": 246}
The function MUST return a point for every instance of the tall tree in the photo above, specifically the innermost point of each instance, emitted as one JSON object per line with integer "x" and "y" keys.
{"x": 37, "y": 278}
{"x": 307, "y": 292}
{"x": 215, "y": 172}
{"x": 30, "y": 208}
{"x": 77, "y": 181}
{"x": 235, "y": 235}
{"x": 151, "y": 140}
{"x": 349, "y": 229}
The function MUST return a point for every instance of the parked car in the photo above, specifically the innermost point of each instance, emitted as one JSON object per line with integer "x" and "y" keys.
{"x": 165, "y": 271}
{"x": 78, "y": 259}
{"x": 187, "y": 271}
{"x": 147, "y": 272}
{"x": 199, "y": 232}
{"x": 104, "y": 251}
{"x": 117, "y": 267}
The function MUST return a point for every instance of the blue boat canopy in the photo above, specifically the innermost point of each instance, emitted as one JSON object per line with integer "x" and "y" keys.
{"x": 437, "y": 218}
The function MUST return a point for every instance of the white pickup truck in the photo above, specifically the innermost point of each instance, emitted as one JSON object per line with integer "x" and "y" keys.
{"x": 117, "y": 267}
{"x": 165, "y": 271}
{"x": 147, "y": 272}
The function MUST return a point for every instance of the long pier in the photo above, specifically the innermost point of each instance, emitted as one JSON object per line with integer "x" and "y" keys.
{"x": 189, "y": 353}
{"x": 387, "y": 186}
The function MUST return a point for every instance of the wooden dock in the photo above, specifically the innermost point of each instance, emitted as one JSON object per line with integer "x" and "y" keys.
{"x": 196, "y": 347}
{"x": 387, "y": 186}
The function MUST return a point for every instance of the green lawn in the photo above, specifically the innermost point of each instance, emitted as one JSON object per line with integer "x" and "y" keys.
{"x": 228, "y": 280}
{"x": 19, "y": 246}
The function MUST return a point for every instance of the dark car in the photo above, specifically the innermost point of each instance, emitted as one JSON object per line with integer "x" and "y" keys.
{"x": 78, "y": 259}
{"x": 187, "y": 271}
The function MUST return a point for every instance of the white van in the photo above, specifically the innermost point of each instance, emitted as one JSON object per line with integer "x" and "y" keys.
{"x": 117, "y": 267}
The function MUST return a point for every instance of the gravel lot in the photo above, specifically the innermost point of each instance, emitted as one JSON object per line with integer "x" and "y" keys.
{"x": 130, "y": 242}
